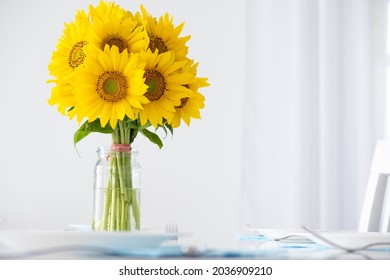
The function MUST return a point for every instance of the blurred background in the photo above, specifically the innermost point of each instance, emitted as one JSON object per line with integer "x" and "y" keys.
{"x": 297, "y": 102}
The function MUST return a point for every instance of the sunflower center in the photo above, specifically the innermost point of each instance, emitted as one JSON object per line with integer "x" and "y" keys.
{"x": 156, "y": 84}
{"x": 77, "y": 55}
{"x": 157, "y": 43}
{"x": 183, "y": 103}
{"x": 111, "y": 86}
{"x": 115, "y": 40}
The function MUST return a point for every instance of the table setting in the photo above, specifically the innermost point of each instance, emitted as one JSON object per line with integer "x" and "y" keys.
{"x": 81, "y": 242}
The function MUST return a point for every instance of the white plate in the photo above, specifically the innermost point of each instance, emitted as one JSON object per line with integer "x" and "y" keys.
{"x": 83, "y": 227}
{"x": 353, "y": 239}
{"x": 123, "y": 241}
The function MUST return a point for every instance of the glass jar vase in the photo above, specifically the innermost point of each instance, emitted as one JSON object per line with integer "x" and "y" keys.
{"x": 117, "y": 183}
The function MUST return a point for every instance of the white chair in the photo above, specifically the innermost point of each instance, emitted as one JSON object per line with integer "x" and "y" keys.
{"x": 375, "y": 214}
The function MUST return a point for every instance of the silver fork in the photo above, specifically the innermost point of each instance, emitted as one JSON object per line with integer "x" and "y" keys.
{"x": 171, "y": 229}
{"x": 349, "y": 250}
{"x": 188, "y": 250}
{"x": 289, "y": 238}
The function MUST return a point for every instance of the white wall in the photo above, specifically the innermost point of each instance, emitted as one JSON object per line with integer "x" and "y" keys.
{"x": 193, "y": 181}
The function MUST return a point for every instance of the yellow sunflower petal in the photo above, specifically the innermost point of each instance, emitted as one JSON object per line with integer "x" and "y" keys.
{"x": 102, "y": 86}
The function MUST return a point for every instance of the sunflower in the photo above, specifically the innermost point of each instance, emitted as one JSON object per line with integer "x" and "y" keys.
{"x": 69, "y": 55}
{"x": 113, "y": 26}
{"x": 111, "y": 86}
{"x": 62, "y": 95}
{"x": 164, "y": 87}
{"x": 190, "y": 106}
{"x": 70, "y": 48}
{"x": 163, "y": 35}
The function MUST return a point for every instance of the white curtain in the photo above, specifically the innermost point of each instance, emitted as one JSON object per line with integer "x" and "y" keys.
{"x": 313, "y": 111}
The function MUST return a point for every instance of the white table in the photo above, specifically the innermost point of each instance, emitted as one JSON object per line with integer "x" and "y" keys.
{"x": 241, "y": 246}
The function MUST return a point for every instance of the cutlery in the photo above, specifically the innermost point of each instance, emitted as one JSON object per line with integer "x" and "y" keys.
{"x": 341, "y": 247}
{"x": 286, "y": 238}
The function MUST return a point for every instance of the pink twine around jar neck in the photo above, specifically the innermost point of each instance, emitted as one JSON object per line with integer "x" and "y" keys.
{"x": 125, "y": 148}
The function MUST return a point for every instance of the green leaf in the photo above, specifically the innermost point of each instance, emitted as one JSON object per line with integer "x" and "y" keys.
{"x": 129, "y": 123}
{"x": 165, "y": 130}
{"x": 153, "y": 137}
{"x": 167, "y": 125}
{"x": 89, "y": 127}
{"x": 79, "y": 134}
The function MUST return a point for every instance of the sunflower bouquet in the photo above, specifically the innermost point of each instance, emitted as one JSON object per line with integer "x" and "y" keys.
{"x": 124, "y": 74}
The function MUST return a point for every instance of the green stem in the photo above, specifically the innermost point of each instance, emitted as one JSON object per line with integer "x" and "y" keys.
{"x": 107, "y": 204}
{"x": 113, "y": 201}
{"x": 121, "y": 205}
